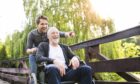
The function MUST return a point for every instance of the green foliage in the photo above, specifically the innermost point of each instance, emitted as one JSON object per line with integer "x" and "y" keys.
{"x": 8, "y": 43}
{"x": 113, "y": 50}
{"x": 109, "y": 77}
{"x": 1, "y": 45}
{"x": 3, "y": 54}
{"x": 131, "y": 46}
{"x": 131, "y": 49}
{"x": 137, "y": 38}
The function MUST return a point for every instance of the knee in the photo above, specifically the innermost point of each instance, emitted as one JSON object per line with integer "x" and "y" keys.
{"x": 52, "y": 70}
{"x": 32, "y": 61}
{"x": 32, "y": 58}
{"x": 86, "y": 69}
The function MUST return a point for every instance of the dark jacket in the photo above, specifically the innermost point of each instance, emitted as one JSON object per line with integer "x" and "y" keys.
{"x": 43, "y": 53}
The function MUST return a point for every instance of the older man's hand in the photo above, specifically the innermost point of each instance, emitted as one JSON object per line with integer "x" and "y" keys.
{"x": 74, "y": 62}
{"x": 60, "y": 66}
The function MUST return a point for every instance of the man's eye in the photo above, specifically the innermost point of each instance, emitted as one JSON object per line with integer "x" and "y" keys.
{"x": 44, "y": 24}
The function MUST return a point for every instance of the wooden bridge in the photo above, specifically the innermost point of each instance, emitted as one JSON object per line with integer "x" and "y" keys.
{"x": 92, "y": 51}
{"x": 3, "y": 82}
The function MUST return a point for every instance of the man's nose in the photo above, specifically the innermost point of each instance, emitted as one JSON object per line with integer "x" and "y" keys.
{"x": 55, "y": 33}
{"x": 45, "y": 25}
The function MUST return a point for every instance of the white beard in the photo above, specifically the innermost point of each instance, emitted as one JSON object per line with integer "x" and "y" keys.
{"x": 55, "y": 41}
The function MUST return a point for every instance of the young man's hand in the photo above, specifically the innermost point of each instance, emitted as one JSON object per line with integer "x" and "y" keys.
{"x": 70, "y": 34}
{"x": 32, "y": 50}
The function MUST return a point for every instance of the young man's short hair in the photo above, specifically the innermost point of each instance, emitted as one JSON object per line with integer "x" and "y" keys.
{"x": 41, "y": 17}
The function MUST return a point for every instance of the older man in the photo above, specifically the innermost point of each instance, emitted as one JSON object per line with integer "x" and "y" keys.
{"x": 62, "y": 63}
{"x": 35, "y": 37}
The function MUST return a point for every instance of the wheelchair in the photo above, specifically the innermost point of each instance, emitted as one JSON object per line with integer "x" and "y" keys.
{"x": 40, "y": 78}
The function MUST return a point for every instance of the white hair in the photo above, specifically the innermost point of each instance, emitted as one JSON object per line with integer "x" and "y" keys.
{"x": 50, "y": 30}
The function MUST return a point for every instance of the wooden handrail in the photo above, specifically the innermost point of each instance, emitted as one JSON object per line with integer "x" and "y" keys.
{"x": 119, "y": 65}
{"x": 109, "y": 38}
{"x": 20, "y": 79}
{"x": 15, "y": 70}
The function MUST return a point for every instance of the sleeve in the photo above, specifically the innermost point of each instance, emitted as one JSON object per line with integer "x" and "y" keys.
{"x": 41, "y": 54}
{"x": 29, "y": 41}
{"x": 71, "y": 54}
{"x": 62, "y": 34}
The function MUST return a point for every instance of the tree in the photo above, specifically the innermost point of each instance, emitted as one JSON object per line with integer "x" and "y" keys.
{"x": 3, "y": 54}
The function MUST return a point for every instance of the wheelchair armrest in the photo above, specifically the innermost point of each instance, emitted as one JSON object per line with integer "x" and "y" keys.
{"x": 42, "y": 64}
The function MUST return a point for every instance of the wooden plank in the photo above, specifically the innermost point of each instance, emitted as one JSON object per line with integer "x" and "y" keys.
{"x": 113, "y": 82}
{"x": 102, "y": 82}
{"x": 15, "y": 70}
{"x": 127, "y": 76}
{"x": 92, "y": 52}
{"x": 119, "y": 65}
{"x": 14, "y": 78}
{"x": 3, "y": 82}
{"x": 109, "y": 38}
{"x": 68, "y": 82}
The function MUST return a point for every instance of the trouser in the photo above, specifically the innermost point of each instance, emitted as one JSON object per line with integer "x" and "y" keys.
{"x": 32, "y": 63}
{"x": 83, "y": 75}
{"x": 33, "y": 69}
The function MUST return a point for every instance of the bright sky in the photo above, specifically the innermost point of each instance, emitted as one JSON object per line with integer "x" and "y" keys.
{"x": 125, "y": 14}
{"x": 11, "y": 17}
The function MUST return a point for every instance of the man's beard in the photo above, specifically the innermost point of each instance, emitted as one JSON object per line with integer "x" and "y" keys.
{"x": 56, "y": 41}
{"x": 44, "y": 30}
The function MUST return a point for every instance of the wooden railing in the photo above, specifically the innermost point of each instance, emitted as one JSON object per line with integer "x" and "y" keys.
{"x": 13, "y": 74}
{"x": 92, "y": 51}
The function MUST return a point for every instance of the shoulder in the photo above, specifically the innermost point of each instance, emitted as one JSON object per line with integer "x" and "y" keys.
{"x": 44, "y": 44}
{"x": 33, "y": 32}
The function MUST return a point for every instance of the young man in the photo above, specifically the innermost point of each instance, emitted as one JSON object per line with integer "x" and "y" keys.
{"x": 35, "y": 37}
{"x": 62, "y": 63}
